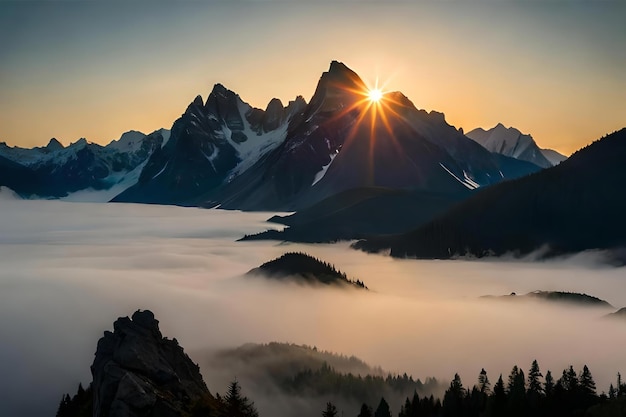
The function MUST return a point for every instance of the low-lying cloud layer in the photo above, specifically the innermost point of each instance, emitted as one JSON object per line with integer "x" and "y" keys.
{"x": 68, "y": 270}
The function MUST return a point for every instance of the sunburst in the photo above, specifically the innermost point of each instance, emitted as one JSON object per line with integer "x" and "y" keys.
{"x": 377, "y": 105}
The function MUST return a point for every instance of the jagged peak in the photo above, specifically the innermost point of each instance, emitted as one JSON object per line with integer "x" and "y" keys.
{"x": 80, "y": 142}
{"x": 54, "y": 144}
{"x": 219, "y": 88}
{"x": 338, "y": 70}
{"x": 198, "y": 101}
{"x": 298, "y": 99}
{"x": 274, "y": 103}
{"x": 511, "y": 129}
{"x": 337, "y": 66}
{"x": 437, "y": 115}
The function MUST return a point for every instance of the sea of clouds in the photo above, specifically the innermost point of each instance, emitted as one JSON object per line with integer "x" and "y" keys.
{"x": 68, "y": 270}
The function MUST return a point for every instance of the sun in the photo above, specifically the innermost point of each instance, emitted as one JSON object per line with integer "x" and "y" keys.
{"x": 375, "y": 95}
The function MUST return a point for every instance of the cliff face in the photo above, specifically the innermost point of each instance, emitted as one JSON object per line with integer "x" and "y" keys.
{"x": 138, "y": 372}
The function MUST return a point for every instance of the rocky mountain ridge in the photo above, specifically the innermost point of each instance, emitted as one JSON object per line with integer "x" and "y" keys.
{"x": 511, "y": 142}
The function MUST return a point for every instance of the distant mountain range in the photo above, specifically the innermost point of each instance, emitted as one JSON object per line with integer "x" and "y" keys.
{"x": 511, "y": 142}
{"x": 574, "y": 206}
{"x": 56, "y": 171}
{"x": 224, "y": 152}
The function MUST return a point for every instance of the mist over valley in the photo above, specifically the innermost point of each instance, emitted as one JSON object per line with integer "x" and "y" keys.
{"x": 70, "y": 269}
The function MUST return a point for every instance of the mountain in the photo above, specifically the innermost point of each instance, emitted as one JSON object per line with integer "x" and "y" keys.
{"x": 574, "y": 206}
{"x": 56, "y": 171}
{"x": 342, "y": 141}
{"x": 225, "y": 153}
{"x": 300, "y": 267}
{"x": 359, "y": 213}
{"x": 210, "y": 144}
{"x": 511, "y": 142}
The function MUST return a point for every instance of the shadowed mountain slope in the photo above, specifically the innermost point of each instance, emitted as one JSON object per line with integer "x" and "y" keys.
{"x": 574, "y": 206}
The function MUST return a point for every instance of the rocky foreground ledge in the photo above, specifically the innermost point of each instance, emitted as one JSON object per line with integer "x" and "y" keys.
{"x": 137, "y": 372}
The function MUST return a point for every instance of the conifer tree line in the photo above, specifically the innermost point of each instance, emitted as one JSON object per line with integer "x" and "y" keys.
{"x": 571, "y": 395}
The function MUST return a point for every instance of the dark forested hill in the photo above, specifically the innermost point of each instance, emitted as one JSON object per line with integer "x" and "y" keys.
{"x": 304, "y": 268}
{"x": 577, "y": 205}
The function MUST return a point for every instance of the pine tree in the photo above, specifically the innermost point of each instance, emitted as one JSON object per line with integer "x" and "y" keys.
{"x": 534, "y": 385}
{"x": 64, "y": 406}
{"x": 453, "y": 398}
{"x": 331, "y": 410}
{"x": 383, "y": 409}
{"x": 483, "y": 382}
{"x": 516, "y": 392}
{"x": 569, "y": 380}
{"x": 549, "y": 384}
{"x": 612, "y": 392}
{"x": 366, "y": 411}
{"x": 587, "y": 384}
{"x": 405, "y": 410}
{"x": 236, "y": 405}
{"x": 498, "y": 400}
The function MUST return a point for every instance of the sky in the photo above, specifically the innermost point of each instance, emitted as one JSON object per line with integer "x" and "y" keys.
{"x": 95, "y": 69}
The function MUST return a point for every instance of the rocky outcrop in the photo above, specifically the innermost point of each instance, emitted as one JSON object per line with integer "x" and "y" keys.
{"x": 138, "y": 372}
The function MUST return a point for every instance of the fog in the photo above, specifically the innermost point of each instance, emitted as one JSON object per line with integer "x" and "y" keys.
{"x": 68, "y": 270}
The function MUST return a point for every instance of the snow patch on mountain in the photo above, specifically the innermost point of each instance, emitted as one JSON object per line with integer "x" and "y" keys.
{"x": 472, "y": 185}
{"x": 161, "y": 171}
{"x": 322, "y": 172}
{"x": 256, "y": 145}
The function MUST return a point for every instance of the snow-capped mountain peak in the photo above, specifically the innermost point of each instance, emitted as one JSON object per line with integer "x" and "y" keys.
{"x": 510, "y": 142}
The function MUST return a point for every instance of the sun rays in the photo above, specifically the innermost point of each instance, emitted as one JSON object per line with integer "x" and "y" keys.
{"x": 374, "y": 107}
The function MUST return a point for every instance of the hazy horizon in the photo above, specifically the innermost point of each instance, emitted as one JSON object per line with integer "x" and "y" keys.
{"x": 97, "y": 69}
{"x": 71, "y": 269}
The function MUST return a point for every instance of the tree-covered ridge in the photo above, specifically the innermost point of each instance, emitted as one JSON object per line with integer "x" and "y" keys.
{"x": 326, "y": 381}
{"x": 557, "y": 297}
{"x": 284, "y": 360}
{"x": 305, "y": 268}
{"x": 297, "y": 371}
